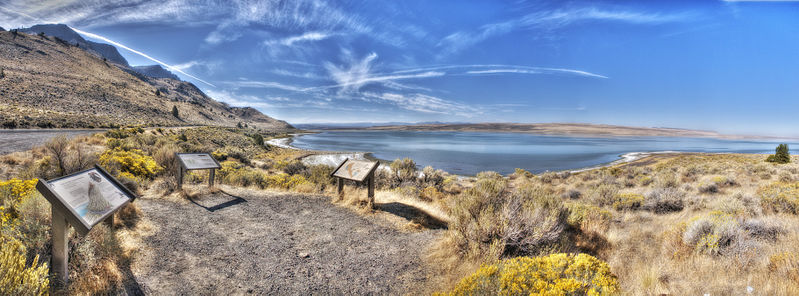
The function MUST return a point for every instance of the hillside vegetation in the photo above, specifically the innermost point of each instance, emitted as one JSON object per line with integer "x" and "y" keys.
{"x": 680, "y": 224}
{"x": 49, "y": 83}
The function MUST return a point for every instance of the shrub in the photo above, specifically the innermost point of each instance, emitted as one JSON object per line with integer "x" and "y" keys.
{"x": 57, "y": 147}
{"x": 784, "y": 265}
{"x": 781, "y": 155}
{"x": 628, "y": 201}
{"x": 548, "y": 177}
{"x": 666, "y": 180}
{"x": 605, "y": 194}
{"x": 259, "y": 140}
{"x": 294, "y": 168}
{"x": 490, "y": 222}
{"x": 285, "y": 181}
{"x": 584, "y": 216}
{"x": 320, "y": 175}
{"x": 522, "y": 173}
{"x": 572, "y": 194}
{"x": 711, "y": 233}
{"x": 556, "y": 274}
{"x": 133, "y": 162}
{"x": 15, "y": 277}
{"x": 664, "y": 200}
{"x": 708, "y": 188}
{"x": 780, "y": 197}
{"x": 12, "y": 193}
{"x": 431, "y": 193}
{"x": 165, "y": 158}
{"x": 404, "y": 169}
{"x": 432, "y": 177}
{"x": 722, "y": 233}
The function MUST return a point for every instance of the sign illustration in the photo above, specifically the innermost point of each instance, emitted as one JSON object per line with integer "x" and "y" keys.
{"x": 90, "y": 195}
{"x": 356, "y": 170}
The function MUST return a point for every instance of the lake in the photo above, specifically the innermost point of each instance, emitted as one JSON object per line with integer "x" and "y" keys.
{"x": 467, "y": 153}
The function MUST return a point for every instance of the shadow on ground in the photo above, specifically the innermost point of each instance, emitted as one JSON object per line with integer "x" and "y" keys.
{"x": 213, "y": 204}
{"x": 412, "y": 214}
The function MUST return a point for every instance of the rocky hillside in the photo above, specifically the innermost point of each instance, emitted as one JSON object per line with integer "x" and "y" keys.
{"x": 48, "y": 82}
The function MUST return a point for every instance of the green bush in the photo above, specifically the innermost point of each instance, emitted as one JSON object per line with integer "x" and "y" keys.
{"x": 781, "y": 155}
{"x": 404, "y": 169}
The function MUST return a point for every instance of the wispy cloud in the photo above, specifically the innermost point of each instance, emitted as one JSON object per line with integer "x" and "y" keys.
{"x": 309, "y": 36}
{"x": 425, "y": 104}
{"x": 120, "y": 45}
{"x": 265, "y": 84}
{"x": 549, "y": 20}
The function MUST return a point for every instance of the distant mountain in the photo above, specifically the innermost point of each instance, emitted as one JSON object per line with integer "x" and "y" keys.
{"x": 361, "y": 125}
{"x": 65, "y": 33}
{"x": 580, "y": 129}
{"x": 51, "y": 83}
{"x": 155, "y": 71}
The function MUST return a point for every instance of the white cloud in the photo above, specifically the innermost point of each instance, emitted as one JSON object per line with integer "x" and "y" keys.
{"x": 549, "y": 20}
{"x": 425, "y": 104}
{"x": 265, "y": 84}
{"x": 309, "y": 36}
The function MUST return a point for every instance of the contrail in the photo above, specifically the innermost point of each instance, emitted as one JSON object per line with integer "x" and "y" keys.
{"x": 95, "y": 36}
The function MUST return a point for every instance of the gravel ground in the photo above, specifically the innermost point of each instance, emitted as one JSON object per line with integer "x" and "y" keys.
{"x": 274, "y": 243}
{"x": 21, "y": 140}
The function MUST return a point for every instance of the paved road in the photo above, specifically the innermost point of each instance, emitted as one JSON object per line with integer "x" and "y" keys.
{"x": 21, "y": 140}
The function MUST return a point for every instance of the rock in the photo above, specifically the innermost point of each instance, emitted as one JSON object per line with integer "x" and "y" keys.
{"x": 304, "y": 255}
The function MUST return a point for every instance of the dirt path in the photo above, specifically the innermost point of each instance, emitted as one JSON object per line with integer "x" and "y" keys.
{"x": 274, "y": 243}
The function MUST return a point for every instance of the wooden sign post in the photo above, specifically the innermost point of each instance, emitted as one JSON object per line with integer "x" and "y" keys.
{"x": 197, "y": 161}
{"x": 359, "y": 171}
{"x": 83, "y": 200}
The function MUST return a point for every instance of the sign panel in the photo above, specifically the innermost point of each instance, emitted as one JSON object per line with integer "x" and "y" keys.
{"x": 198, "y": 161}
{"x": 88, "y": 196}
{"x": 356, "y": 170}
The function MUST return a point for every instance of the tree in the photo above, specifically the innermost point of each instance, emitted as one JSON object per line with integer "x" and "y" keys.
{"x": 158, "y": 94}
{"x": 259, "y": 140}
{"x": 781, "y": 155}
{"x": 175, "y": 112}
{"x": 2, "y": 73}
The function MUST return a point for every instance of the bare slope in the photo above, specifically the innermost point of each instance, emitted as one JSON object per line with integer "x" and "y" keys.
{"x": 556, "y": 129}
{"x": 47, "y": 82}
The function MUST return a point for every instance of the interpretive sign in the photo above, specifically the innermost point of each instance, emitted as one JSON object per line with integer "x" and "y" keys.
{"x": 82, "y": 200}
{"x": 197, "y": 161}
{"x": 357, "y": 170}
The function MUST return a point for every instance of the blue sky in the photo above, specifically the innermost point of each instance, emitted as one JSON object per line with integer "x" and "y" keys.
{"x": 728, "y": 66}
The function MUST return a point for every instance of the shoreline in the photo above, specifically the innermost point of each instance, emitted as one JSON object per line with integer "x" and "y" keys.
{"x": 334, "y": 158}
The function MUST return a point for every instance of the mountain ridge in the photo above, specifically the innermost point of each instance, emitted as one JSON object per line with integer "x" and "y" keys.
{"x": 49, "y": 83}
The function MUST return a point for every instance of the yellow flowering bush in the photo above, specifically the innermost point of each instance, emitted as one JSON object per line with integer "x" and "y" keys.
{"x": 134, "y": 162}
{"x": 628, "y": 201}
{"x": 284, "y": 181}
{"x": 711, "y": 233}
{"x": 556, "y": 274}
{"x": 15, "y": 277}
{"x": 780, "y": 197}
{"x": 13, "y": 192}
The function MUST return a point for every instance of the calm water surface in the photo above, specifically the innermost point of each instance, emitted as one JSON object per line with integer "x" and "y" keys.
{"x": 468, "y": 153}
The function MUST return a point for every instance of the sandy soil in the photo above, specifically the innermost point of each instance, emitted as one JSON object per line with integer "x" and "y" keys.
{"x": 21, "y": 140}
{"x": 260, "y": 242}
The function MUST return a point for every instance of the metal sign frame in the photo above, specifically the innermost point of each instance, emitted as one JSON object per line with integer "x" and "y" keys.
{"x": 184, "y": 168}
{"x": 59, "y": 203}
{"x": 64, "y": 215}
